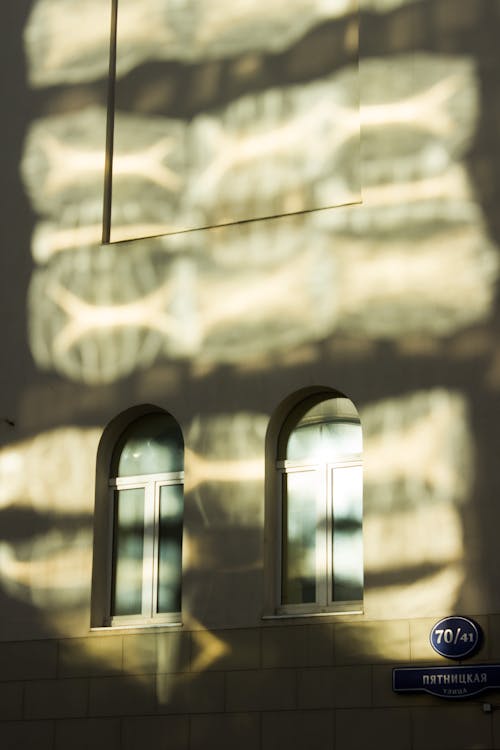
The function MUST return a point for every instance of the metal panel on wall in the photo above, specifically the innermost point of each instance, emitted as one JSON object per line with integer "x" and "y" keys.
{"x": 230, "y": 111}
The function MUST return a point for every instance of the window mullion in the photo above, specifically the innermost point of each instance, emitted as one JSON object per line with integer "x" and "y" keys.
{"x": 321, "y": 537}
{"x": 156, "y": 544}
{"x": 149, "y": 543}
{"x": 330, "y": 506}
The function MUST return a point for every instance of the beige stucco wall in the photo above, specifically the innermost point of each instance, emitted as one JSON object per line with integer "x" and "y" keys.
{"x": 390, "y": 299}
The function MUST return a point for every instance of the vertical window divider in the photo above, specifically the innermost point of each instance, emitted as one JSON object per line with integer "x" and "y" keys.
{"x": 321, "y": 525}
{"x": 156, "y": 548}
{"x": 330, "y": 514}
{"x": 148, "y": 555}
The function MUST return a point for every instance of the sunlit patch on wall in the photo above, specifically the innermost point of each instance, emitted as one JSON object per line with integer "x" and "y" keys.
{"x": 63, "y": 166}
{"x": 46, "y": 520}
{"x": 267, "y": 99}
{"x": 419, "y": 468}
{"x": 402, "y": 287}
{"x": 400, "y": 265}
{"x": 97, "y": 315}
{"x": 52, "y": 570}
{"x": 420, "y": 110}
{"x": 35, "y": 472}
{"x": 67, "y": 41}
{"x": 226, "y": 450}
{"x": 420, "y": 213}
{"x": 46, "y": 547}
{"x": 224, "y": 475}
{"x": 277, "y": 152}
{"x": 62, "y": 51}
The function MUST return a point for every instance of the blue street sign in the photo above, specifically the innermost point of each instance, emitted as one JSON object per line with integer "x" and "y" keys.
{"x": 455, "y": 637}
{"x": 447, "y": 682}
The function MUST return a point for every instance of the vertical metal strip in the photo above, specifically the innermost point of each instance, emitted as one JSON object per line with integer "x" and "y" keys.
{"x": 110, "y": 126}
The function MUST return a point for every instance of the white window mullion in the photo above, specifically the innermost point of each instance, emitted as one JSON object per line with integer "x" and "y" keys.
{"x": 149, "y": 545}
{"x": 329, "y": 531}
{"x": 156, "y": 542}
{"x": 321, "y": 537}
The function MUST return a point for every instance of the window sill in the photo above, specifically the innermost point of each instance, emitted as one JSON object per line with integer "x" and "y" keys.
{"x": 137, "y": 626}
{"x": 308, "y": 615}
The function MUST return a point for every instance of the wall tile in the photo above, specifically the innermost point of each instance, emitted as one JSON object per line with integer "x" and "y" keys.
{"x": 87, "y": 734}
{"x": 225, "y": 649}
{"x": 261, "y": 690}
{"x": 163, "y": 652}
{"x": 28, "y": 660}
{"x": 494, "y": 636}
{"x": 190, "y": 693}
{"x": 25, "y": 735}
{"x": 122, "y": 696}
{"x": 494, "y": 698}
{"x": 335, "y": 687}
{"x": 371, "y": 642}
{"x": 55, "y": 699}
{"x": 298, "y": 730}
{"x": 293, "y": 646}
{"x": 359, "y": 729}
{"x": 446, "y": 728}
{"x": 89, "y": 657}
{"x": 160, "y": 733}
{"x": 11, "y": 700}
{"x": 225, "y": 732}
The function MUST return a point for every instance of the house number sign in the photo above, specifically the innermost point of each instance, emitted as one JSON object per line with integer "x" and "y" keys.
{"x": 455, "y": 637}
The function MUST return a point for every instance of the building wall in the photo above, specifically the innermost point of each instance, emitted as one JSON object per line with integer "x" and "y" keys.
{"x": 376, "y": 276}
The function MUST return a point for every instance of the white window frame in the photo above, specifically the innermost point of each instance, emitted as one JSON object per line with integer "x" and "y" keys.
{"x": 325, "y": 505}
{"x": 151, "y": 483}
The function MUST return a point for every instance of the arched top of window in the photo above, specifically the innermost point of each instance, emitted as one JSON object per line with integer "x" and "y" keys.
{"x": 320, "y": 429}
{"x": 151, "y": 444}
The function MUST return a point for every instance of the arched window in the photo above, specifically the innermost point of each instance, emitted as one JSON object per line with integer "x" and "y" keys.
{"x": 320, "y": 491}
{"x": 146, "y": 496}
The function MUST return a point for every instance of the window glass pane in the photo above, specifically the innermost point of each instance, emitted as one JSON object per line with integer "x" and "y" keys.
{"x": 324, "y": 441}
{"x": 150, "y": 445}
{"x": 170, "y": 548}
{"x": 347, "y": 541}
{"x": 300, "y": 521}
{"x": 128, "y": 552}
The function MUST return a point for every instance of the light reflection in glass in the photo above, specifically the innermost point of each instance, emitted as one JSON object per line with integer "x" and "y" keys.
{"x": 301, "y": 504}
{"x": 126, "y": 598}
{"x": 347, "y": 540}
{"x": 170, "y": 548}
